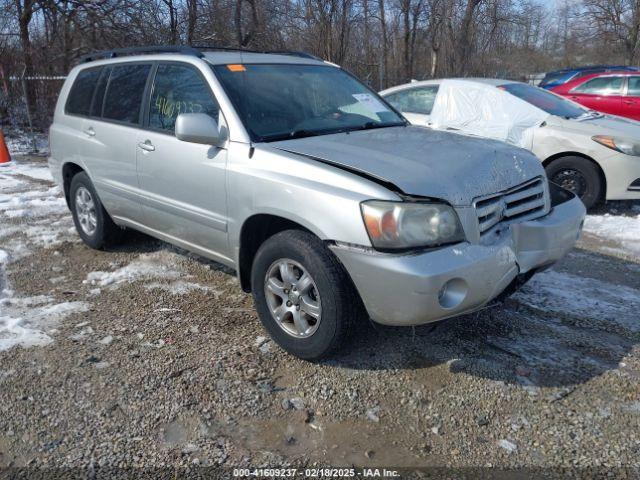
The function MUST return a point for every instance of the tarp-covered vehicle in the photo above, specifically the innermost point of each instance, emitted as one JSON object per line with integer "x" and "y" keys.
{"x": 594, "y": 155}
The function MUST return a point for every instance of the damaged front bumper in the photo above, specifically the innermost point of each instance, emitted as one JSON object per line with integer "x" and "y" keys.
{"x": 430, "y": 286}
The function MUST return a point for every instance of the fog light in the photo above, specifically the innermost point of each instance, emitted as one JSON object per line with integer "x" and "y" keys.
{"x": 452, "y": 293}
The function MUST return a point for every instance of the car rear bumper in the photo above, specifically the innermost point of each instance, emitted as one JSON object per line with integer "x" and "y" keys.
{"x": 56, "y": 170}
{"x": 426, "y": 287}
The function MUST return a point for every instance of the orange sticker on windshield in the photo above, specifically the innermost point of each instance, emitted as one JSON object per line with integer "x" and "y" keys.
{"x": 236, "y": 68}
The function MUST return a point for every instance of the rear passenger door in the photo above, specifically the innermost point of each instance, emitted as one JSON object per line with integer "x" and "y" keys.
{"x": 73, "y": 141}
{"x": 111, "y": 131}
{"x": 183, "y": 183}
{"x": 603, "y": 94}
{"x": 415, "y": 103}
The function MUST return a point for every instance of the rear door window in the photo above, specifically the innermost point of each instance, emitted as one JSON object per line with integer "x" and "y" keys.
{"x": 634, "y": 87}
{"x": 414, "y": 100}
{"x": 179, "y": 89}
{"x": 123, "y": 99}
{"x": 601, "y": 86}
{"x": 81, "y": 94}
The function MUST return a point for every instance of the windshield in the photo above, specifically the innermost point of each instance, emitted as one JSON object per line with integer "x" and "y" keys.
{"x": 557, "y": 78}
{"x": 549, "y": 102}
{"x": 277, "y": 102}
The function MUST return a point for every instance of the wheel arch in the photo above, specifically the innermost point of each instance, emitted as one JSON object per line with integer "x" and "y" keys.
{"x": 603, "y": 178}
{"x": 255, "y": 230}
{"x": 69, "y": 170}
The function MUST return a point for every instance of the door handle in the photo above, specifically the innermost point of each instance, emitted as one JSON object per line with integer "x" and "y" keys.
{"x": 147, "y": 146}
{"x": 90, "y": 132}
{"x": 628, "y": 102}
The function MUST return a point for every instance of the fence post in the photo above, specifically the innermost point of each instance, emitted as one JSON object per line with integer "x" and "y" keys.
{"x": 26, "y": 104}
{"x": 5, "y": 87}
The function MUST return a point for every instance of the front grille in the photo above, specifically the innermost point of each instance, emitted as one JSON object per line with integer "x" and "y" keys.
{"x": 525, "y": 201}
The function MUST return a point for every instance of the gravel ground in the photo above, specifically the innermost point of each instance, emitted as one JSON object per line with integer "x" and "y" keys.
{"x": 158, "y": 360}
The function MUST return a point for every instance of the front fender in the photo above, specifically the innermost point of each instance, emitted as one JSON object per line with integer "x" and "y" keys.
{"x": 323, "y": 199}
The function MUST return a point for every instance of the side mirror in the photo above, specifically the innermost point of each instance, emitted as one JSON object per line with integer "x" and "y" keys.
{"x": 198, "y": 128}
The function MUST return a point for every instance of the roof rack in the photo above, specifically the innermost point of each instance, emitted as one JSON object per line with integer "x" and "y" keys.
{"x": 194, "y": 50}
{"x": 293, "y": 53}
{"x": 118, "y": 52}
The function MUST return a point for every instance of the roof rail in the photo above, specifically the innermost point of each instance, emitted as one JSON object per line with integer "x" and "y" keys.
{"x": 118, "y": 52}
{"x": 195, "y": 50}
{"x": 294, "y": 53}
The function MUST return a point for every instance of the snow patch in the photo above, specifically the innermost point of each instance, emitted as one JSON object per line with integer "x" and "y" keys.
{"x": 180, "y": 287}
{"x": 30, "y": 209}
{"x": 23, "y": 324}
{"x": 33, "y": 204}
{"x": 31, "y": 214}
{"x": 152, "y": 265}
{"x": 31, "y": 170}
{"x": 597, "y": 300}
{"x": 619, "y": 228}
{"x": 9, "y": 182}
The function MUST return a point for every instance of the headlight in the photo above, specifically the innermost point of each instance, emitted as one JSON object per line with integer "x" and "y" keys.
{"x": 401, "y": 225}
{"x": 621, "y": 145}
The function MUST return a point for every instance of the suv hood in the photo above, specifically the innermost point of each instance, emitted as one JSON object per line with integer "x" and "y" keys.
{"x": 423, "y": 162}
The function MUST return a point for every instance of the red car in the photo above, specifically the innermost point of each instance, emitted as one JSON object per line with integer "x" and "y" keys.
{"x": 617, "y": 93}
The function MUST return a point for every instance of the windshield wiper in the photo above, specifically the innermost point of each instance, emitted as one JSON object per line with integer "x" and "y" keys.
{"x": 302, "y": 133}
{"x": 589, "y": 115}
{"x": 372, "y": 125}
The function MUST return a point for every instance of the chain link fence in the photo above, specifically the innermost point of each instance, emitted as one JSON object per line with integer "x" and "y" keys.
{"x": 14, "y": 113}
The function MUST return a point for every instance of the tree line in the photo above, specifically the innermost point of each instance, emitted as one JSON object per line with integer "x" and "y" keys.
{"x": 384, "y": 42}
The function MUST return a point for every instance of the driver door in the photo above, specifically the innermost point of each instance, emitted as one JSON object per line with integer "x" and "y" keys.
{"x": 183, "y": 183}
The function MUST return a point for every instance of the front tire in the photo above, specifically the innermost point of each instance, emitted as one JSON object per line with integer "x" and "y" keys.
{"x": 578, "y": 175}
{"x": 303, "y": 295}
{"x": 93, "y": 223}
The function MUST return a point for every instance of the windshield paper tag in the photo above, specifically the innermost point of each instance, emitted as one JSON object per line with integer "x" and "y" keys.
{"x": 370, "y": 102}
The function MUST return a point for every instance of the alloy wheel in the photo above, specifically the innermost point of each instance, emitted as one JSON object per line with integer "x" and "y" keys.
{"x": 86, "y": 211}
{"x": 293, "y": 298}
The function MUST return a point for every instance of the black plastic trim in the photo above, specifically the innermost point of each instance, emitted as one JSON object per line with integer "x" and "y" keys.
{"x": 559, "y": 195}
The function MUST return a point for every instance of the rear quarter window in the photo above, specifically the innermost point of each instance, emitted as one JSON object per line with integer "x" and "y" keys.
{"x": 98, "y": 94}
{"x": 123, "y": 99}
{"x": 81, "y": 93}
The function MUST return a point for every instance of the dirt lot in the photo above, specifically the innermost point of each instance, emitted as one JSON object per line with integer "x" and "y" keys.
{"x": 150, "y": 356}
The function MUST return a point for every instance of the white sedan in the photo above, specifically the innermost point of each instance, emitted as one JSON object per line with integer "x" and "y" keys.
{"x": 594, "y": 155}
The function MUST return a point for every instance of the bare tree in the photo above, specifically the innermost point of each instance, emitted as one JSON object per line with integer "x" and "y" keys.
{"x": 616, "y": 21}
{"x": 383, "y": 41}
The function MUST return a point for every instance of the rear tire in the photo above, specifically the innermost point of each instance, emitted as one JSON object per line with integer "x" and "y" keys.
{"x": 93, "y": 223}
{"x": 334, "y": 297}
{"x": 580, "y": 176}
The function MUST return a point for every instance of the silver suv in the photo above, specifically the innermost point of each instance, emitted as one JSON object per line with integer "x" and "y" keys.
{"x": 330, "y": 207}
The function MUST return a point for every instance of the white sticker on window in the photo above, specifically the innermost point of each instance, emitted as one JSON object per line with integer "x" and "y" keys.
{"x": 370, "y": 102}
